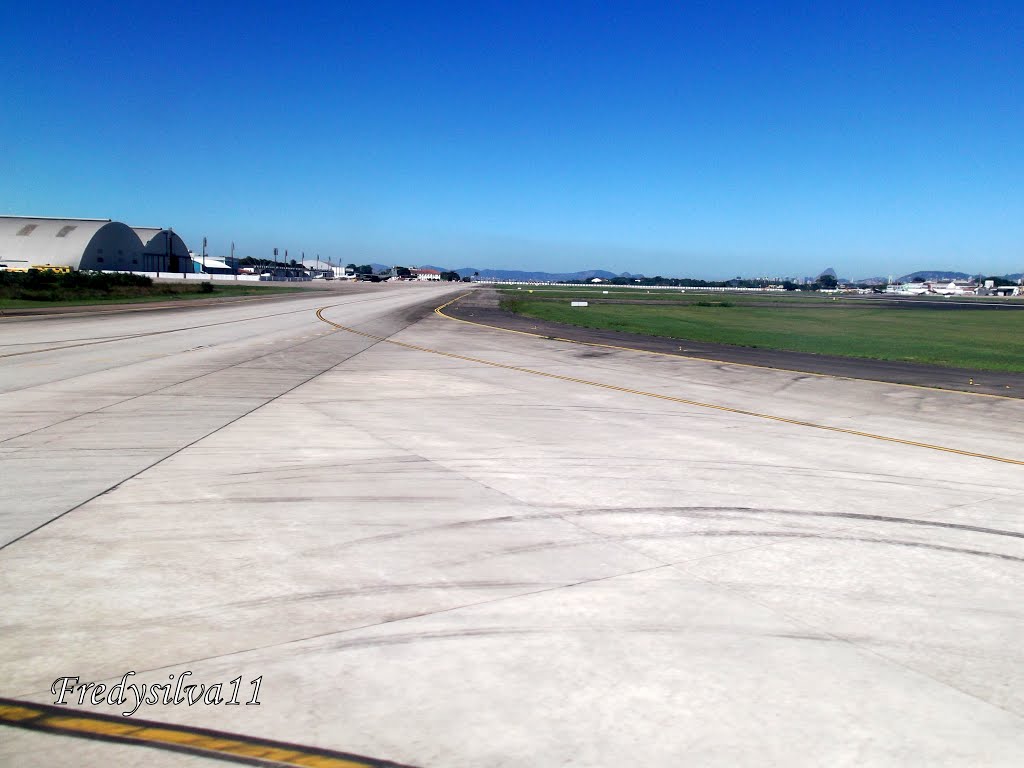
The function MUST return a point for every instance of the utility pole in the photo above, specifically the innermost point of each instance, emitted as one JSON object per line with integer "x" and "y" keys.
{"x": 204, "y": 255}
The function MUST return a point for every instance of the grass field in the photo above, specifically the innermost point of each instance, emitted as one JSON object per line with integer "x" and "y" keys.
{"x": 655, "y": 294}
{"x": 991, "y": 340}
{"x": 160, "y": 292}
{"x": 692, "y": 295}
{"x": 22, "y": 291}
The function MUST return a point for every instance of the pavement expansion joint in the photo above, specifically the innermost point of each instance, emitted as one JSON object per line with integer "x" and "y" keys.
{"x": 669, "y": 398}
{"x": 681, "y": 353}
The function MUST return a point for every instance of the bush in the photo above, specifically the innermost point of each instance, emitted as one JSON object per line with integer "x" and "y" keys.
{"x": 206, "y": 287}
{"x": 46, "y": 285}
{"x": 36, "y": 278}
{"x": 511, "y": 304}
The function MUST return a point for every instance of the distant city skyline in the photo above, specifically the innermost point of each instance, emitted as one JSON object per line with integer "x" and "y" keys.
{"x": 755, "y": 139}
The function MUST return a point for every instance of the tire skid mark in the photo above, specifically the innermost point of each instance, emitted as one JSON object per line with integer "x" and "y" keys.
{"x": 670, "y": 398}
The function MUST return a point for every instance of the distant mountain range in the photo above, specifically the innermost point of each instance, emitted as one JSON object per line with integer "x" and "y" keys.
{"x": 589, "y": 274}
{"x": 932, "y": 275}
{"x": 553, "y": 277}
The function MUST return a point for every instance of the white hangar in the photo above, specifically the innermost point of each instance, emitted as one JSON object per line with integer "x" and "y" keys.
{"x": 89, "y": 244}
{"x": 162, "y": 251}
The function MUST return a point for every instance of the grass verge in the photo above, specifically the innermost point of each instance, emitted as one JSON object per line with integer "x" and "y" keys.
{"x": 988, "y": 340}
{"x": 47, "y": 289}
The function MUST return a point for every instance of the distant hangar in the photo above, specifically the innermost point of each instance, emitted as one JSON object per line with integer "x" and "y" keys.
{"x": 90, "y": 244}
{"x": 162, "y": 251}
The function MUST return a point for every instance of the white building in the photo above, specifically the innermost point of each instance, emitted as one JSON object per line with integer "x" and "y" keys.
{"x": 89, "y": 244}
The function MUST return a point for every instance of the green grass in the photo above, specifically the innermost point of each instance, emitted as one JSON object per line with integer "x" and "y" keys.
{"x": 691, "y": 295}
{"x": 991, "y": 340}
{"x": 659, "y": 294}
{"x": 138, "y": 294}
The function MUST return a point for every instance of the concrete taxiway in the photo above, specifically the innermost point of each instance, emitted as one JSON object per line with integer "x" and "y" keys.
{"x": 446, "y": 545}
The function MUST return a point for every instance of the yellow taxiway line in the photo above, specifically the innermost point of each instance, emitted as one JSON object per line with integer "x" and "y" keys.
{"x": 176, "y": 738}
{"x": 438, "y": 311}
{"x": 658, "y": 396}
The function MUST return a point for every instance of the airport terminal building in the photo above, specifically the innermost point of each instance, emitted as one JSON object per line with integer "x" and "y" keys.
{"x": 28, "y": 242}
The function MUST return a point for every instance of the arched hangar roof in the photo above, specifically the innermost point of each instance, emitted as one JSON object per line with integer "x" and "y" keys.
{"x": 77, "y": 243}
{"x": 155, "y": 242}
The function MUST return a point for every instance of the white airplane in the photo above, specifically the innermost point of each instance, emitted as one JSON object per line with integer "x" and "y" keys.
{"x": 913, "y": 291}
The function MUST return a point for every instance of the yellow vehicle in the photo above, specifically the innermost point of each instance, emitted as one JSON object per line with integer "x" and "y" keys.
{"x": 50, "y": 268}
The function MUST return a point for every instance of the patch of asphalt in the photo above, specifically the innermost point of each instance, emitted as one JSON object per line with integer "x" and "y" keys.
{"x": 482, "y": 307}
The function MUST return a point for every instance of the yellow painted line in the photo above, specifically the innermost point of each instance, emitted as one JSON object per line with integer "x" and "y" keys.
{"x": 196, "y": 741}
{"x": 14, "y": 714}
{"x": 669, "y": 398}
{"x": 438, "y": 311}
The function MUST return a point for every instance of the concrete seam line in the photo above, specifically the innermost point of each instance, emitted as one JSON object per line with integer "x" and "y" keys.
{"x": 672, "y": 399}
{"x": 716, "y": 361}
{"x": 100, "y": 311}
{"x": 151, "y": 392}
{"x": 108, "y": 340}
{"x": 203, "y": 742}
{"x": 189, "y": 445}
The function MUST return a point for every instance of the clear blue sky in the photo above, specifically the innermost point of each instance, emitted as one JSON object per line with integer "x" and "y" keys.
{"x": 708, "y": 139}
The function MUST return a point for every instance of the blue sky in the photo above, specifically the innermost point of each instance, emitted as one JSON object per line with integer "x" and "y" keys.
{"x": 709, "y": 139}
